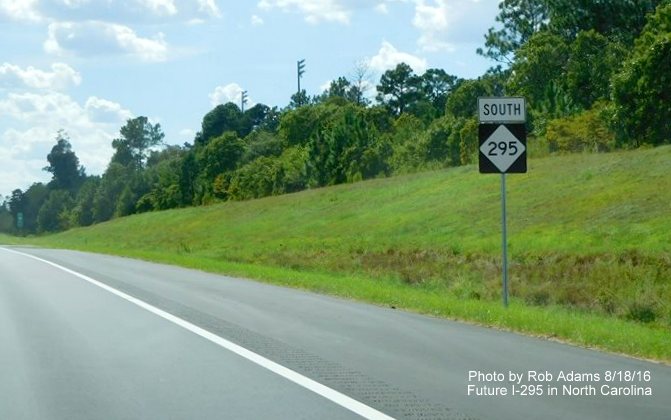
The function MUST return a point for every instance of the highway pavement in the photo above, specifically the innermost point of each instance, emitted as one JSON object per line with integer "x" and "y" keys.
{"x": 87, "y": 336}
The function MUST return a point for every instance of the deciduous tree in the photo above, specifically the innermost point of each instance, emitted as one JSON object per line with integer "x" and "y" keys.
{"x": 617, "y": 19}
{"x": 399, "y": 88}
{"x": 53, "y": 215}
{"x": 138, "y": 135}
{"x": 519, "y": 20}
{"x": 64, "y": 165}
{"x": 642, "y": 89}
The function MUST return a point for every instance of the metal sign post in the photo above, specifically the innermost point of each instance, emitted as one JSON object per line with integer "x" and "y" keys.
{"x": 503, "y": 150}
{"x": 504, "y": 245}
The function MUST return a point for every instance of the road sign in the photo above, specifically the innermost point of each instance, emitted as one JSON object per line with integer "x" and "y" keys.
{"x": 502, "y": 110}
{"x": 502, "y": 148}
{"x": 19, "y": 220}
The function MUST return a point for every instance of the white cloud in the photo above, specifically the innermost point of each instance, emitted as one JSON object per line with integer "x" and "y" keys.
{"x": 433, "y": 18}
{"x": 161, "y": 7}
{"x": 60, "y": 77}
{"x": 104, "y": 111}
{"x": 232, "y": 92}
{"x": 187, "y": 134}
{"x": 325, "y": 86}
{"x": 388, "y": 57}
{"x": 382, "y": 8}
{"x": 209, "y": 7}
{"x": 20, "y": 173}
{"x": 195, "y": 22}
{"x": 93, "y": 38}
{"x": 22, "y": 10}
{"x": 443, "y": 24}
{"x": 34, "y": 119}
{"x": 127, "y": 11}
{"x": 74, "y": 3}
{"x": 432, "y": 21}
{"x": 60, "y": 110}
{"x": 256, "y": 20}
{"x": 315, "y": 11}
{"x": 26, "y": 107}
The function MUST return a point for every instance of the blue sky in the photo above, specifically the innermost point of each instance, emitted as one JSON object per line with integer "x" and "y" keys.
{"x": 85, "y": 66}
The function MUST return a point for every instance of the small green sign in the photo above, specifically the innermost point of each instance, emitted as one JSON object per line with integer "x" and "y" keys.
{"x": 19, "y": 220}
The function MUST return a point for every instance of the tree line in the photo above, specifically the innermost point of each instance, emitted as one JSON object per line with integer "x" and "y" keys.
{"x": 595, "y": 76}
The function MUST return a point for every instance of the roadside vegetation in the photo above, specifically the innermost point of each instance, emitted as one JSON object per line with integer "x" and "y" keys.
{"x": 589, "y": 223}
{"x": 589, "y": 248}
{"x": 591, "y": 84}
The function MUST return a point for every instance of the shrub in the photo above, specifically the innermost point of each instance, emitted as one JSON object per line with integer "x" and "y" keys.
{"x": 264, "y": 176}
{"x": 587, "y": 131}
{"x": 642, "y": 311}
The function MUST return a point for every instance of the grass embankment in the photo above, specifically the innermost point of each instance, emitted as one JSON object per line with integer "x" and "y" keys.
{"x": 589, "y": 245}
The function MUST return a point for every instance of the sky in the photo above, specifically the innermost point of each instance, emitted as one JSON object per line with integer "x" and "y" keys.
{"x": 87, "y": 66}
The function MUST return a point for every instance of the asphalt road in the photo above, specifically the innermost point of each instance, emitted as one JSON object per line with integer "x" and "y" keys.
{"x": 116, "y": 338}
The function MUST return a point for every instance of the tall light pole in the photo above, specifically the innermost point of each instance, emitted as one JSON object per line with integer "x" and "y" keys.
{"x": 300, "y": 67}
{"x": 243, "y": 100}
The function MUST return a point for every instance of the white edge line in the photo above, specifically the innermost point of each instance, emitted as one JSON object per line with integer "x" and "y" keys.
{"x": 307, "y": 383}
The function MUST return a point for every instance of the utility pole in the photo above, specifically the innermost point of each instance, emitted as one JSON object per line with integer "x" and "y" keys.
{"x": 300, "y": 67}
{"x": 243, "y": 100}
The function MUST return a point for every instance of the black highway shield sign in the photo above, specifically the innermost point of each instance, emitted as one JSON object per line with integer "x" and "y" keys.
{"x": 503, "y": 148}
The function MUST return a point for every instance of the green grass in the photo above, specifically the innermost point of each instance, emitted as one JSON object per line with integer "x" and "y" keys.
{"x": 588, "y": 241}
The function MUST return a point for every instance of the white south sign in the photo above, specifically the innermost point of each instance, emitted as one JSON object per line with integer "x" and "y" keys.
{"x": 502, "y": 110}
{"x": 502, "y": 148}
